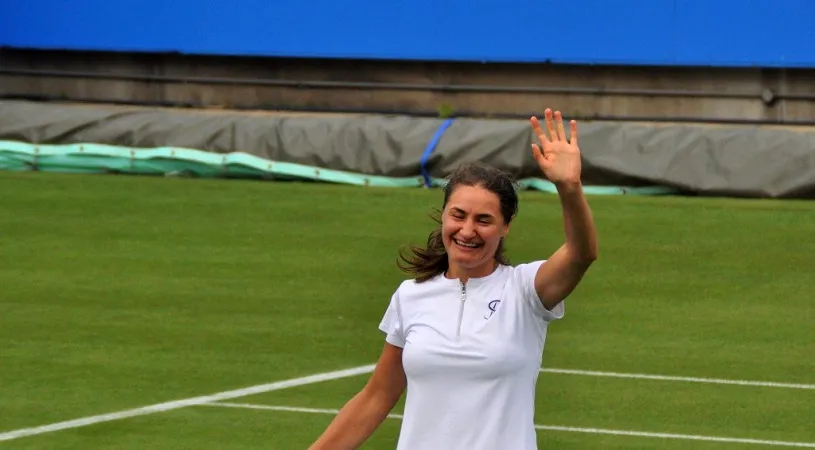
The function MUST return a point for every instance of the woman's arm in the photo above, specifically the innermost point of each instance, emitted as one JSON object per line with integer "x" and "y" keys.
{"x": 560, "y": 162}
{"x": 361, "y": 415}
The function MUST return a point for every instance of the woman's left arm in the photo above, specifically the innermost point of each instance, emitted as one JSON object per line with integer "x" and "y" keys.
{"x": 559, "y": 159}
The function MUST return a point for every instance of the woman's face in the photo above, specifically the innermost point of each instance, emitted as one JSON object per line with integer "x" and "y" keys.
{"x": 472, "y": 229}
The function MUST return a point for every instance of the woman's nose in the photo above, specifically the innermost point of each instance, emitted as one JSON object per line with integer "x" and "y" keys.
{"x": 467, "y": 230}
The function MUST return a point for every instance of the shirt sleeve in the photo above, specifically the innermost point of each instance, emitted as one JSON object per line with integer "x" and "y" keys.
{"x": 525, "y": 274}
{"x": 391, "y": 323}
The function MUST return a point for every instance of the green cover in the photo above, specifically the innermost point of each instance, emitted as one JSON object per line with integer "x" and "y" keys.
{"x": 172, "y": 161}
{"x": 394, "y": 150}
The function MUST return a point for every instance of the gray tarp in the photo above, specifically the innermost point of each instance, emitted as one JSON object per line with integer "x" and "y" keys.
{"x": 747, "y": 161}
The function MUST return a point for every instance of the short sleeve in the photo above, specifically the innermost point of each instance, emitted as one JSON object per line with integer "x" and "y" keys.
{"x": 525, "y": 275}
{"x": 391, "y": 323}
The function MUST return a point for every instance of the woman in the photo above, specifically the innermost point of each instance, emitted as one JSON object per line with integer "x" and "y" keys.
{"x": 465, "y": 336}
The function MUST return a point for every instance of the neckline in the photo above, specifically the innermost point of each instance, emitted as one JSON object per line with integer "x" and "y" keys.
{"x": 473, "y": 280}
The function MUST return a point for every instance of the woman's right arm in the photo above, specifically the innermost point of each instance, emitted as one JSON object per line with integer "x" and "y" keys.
{"x": 360, "y": 417}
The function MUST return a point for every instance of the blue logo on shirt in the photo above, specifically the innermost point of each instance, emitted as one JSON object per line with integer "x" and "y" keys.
{"x": 493, "y": 305}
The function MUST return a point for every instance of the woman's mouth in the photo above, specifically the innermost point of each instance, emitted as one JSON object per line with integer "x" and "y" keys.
{"x": 467, "y": 245}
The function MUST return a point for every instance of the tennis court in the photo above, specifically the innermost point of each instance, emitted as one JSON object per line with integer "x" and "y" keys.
{"x": 149, "y": 312}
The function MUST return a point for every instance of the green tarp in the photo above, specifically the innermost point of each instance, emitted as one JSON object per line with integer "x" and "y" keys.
{"x": 375, "y": 150}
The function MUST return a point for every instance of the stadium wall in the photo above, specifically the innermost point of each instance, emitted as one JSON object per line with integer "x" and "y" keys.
{"x": 720, "y": 33}
{"x": 668, "y": 60}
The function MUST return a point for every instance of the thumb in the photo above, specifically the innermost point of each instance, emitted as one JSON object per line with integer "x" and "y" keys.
{"x": 537, "y": 153}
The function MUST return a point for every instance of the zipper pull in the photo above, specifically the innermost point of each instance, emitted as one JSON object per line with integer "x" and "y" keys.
{"x": 461, "y": 309}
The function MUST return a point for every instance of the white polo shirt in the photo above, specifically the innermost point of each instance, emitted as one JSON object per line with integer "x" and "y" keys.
{"x": 472, "y": 355}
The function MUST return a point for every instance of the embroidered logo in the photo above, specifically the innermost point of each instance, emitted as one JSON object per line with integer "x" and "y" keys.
{"x": 492, "y": 306}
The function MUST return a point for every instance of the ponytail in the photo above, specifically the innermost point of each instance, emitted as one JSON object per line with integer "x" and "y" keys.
{"x": 428, "y": 262}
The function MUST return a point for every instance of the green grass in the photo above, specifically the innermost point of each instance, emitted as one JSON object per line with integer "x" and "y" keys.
{"x": 120, "y": 292}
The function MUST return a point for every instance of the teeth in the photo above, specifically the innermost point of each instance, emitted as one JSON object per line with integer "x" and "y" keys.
{"x": 467, "y": 244}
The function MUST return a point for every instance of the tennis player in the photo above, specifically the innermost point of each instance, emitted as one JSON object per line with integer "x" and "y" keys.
{"x": 464, "y": 337}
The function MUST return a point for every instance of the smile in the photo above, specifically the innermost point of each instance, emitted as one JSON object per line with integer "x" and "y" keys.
{"x": 467, "y": 244}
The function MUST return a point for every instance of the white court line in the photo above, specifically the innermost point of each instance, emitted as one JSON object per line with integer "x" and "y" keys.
{"x": 550, "y": 427}
{"x": 643, "y": 376}
{"x": 168, "y": 406}
{"x": 160, "y": 407}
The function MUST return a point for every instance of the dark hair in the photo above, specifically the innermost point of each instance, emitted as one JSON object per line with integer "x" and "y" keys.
{"x": 425, "y": 263}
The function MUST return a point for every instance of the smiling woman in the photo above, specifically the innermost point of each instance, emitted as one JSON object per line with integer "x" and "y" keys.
{"x": 466, "y": 334}
{"x": 478, "y": 207}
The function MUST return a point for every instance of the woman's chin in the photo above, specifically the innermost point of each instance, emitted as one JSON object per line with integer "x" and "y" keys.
{"x": 468, "y": 260}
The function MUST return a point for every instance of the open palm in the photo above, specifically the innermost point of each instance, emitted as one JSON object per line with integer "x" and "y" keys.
{"x": 557, "y": 156}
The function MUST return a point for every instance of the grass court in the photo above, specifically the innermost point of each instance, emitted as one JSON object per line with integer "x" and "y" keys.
{"x": 693, "y": 330}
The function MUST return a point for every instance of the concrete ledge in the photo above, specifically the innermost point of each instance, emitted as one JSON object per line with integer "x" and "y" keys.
{"x": 417, "y": 88}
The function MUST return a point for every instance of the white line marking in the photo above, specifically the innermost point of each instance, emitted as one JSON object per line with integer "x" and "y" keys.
{"x": 226, "y": 395}
{"x": 167, "y": 406}
{"x": 643, "y": 376}
{"x": 677, "y": 436}
{"x": 549, "y": 427}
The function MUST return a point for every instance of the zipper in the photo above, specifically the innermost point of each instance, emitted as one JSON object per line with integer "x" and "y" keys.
{"x": 461, "y": 308}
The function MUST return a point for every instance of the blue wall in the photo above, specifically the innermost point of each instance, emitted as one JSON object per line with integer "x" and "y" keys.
{"x": 770, "y": 33}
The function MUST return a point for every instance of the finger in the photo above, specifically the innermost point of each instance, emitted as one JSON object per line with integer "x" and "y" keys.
{"x": 561, "y": 132}
{"x": 536, "y": 127}
{"x": 550, "y": 126}
{"x": 537, "y": 153}
{"x": 573, "y": 132}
